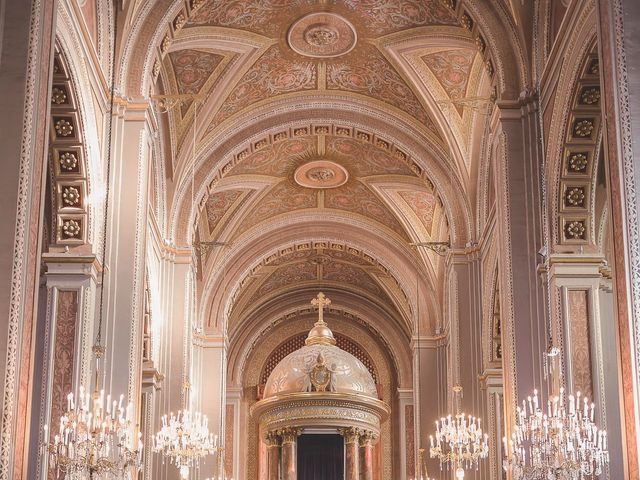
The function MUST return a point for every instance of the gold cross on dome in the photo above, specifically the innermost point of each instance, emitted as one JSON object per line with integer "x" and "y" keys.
{"x": 320, "y": 301}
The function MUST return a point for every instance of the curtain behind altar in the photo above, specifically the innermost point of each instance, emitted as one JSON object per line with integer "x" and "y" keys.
{"x": 320, "y": 457}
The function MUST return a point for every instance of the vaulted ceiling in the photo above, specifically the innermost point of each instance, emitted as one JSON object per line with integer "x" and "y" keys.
{"x": 350, "y": 111}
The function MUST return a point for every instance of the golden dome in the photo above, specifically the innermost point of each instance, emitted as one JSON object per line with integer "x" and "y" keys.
{"x": 320, "y": 366}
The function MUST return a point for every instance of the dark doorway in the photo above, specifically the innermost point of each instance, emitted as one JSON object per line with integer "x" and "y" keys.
{"x": 321, "y": 457}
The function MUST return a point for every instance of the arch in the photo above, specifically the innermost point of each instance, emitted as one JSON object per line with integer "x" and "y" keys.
{"x": 574, "y": 136}
{"x": 257, "y": 357}
{"x": 239, "y": 260}
{"x": 218, "y": 153}
{"x": 68, "y": 166}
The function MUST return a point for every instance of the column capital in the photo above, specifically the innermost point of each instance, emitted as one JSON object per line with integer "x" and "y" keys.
{"x": 272, "y": 439}
{"x": 367, "y": 437}
{"x": 289, "y": 435}
{"x": 350, "y": 434}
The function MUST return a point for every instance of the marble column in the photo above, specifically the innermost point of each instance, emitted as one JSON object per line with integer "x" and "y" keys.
{"x": 273, "y": 456}
{"x": 366, "y": 456}
{"x": 351, "y": 439}
{"x": 289, "y": 451}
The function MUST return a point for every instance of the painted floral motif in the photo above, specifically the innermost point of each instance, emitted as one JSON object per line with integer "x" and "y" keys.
{"x": 260, "y": 16}
{"x": 218, "y": 204}
{"x": 364, "y": 159}
{"x": 580, "y": 344}
{"x": 271, "y": 75}
{"x": 282, "y": 198}
{"x": 193, "y": 68}
{"x": 345, "y": 273}
{"x": 423, "y": 205}
{"x": 452, "y": 68}
{"x": 289, "y": 274}
{"x": 357, "y": 198}
{"x": 276, "y": 159}
{"x": 370, "y": 74}
{"x": 384, "y": 16}
{"x": 66, "y": 316}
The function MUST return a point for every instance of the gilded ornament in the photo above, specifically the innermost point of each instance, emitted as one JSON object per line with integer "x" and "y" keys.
{"x": 166, "y": 43}
{"x": 280, "y": 136}
{"x": 156, "y": 69}
{"x": 594, "y": 68}
{"x": 71, "y": 196}
{"x": 71, "y": 228}
{"x": 58, "y": 96}
{"x": 343, "y": 132}
{"x": 575, "y": 230}
{"x": 300, "y": 132}
{"x": 382, "y": 144}
{"x": 578, "y": 162}
{"x": 322, "y": 130}
{"x": 489, "y": 65}
{"x": 466, "y": 21}
{"x": 583, "y": 128}
{"x": 196, "y": 4}
{"x": 63, "y": 127}
{"x": 243, "y": 154}
{"x": 68, "y": 161}
{"x": 480, "y": 45}
{"x": 364, "y": 136}
{"x": 449, "y": 4}
{"x": 575, "y": 197}
{"x": 179, "y": 21}
{"x": 261, "y": 144}
{"x": 591, "y": 96}
{"x": 400, "y": 155}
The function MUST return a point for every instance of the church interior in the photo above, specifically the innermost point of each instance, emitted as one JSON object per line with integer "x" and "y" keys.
{"x": 320, "y": 240}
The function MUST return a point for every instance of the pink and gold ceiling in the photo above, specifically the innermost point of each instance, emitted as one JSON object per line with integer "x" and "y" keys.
{"x": 412, "y": 62}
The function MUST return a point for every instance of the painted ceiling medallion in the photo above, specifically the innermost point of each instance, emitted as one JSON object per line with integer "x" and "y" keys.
{"x": 321, "y": 174}
{"x": 322, "y": 35}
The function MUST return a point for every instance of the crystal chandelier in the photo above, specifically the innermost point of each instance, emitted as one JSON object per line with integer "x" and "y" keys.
{"x": 562, "y": 443}
{"x": 185, "y": 439}
{"x": 96, "y": 437}
{"x": 459, "y": 442}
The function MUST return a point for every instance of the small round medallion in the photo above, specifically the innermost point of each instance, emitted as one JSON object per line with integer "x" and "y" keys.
{"x": 322, "y": 35}
{"x": 321, "y": 174}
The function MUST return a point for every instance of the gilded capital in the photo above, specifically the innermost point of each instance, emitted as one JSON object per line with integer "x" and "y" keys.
{"x": 272, "y": 439}
{"x": 350, "y": 434}
{"x": 289, "y": 435}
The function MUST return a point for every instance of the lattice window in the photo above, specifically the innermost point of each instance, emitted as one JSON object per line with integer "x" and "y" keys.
{"x": 297, "y": 342}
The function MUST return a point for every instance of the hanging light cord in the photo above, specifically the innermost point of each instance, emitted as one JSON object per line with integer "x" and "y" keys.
{"x": 108, "y": 173}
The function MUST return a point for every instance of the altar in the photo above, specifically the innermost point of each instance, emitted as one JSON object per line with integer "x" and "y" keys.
{"x": 320, "y": 416}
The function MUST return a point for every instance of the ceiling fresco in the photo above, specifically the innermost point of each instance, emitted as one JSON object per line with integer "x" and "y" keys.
{"x": 307, "y": 47}
{"x": 243, "y": 56}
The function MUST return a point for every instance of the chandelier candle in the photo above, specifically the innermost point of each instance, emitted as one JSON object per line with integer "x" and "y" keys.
{"x": 563, "y": 443}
